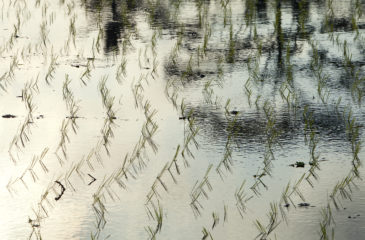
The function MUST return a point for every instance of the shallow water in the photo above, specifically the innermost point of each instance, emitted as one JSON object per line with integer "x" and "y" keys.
{"x": 246, "y": 104}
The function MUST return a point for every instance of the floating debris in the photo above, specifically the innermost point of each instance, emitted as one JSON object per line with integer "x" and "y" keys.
{"x": 184, "y": 118}
{"x": 93, "y": 179}
{"x": 304, "y": 204}
{"x": 354, "y": 216}
{"x": 9, "y": 116}
{"x": 63, "y": 189}
{"x": 34, "y": 223}
{"x": 298, "y": 164}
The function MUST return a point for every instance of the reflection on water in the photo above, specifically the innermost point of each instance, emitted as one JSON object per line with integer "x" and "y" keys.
{"x": 189, "y": 115}
{"x": 113, "y": 29}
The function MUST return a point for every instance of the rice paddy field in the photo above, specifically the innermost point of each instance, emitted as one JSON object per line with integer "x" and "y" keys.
{"x": 182, "y": 119}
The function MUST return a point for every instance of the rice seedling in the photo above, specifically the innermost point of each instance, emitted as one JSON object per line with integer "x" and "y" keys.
{"x": 220, "y": 71}
{"x": 189, "y": 69}
{"x": 125, "y": 15}
{"x": 325, "y": 224}
{"x": 138, "y": 90}
{"x": 250, "y": 12}
{"x": 350, "y": 68}
{"x": 8, "y": 76}
{"x": 99, "y": 211}
{"x": 241, "y": 199}
{"x": 70, "y": 7}
{"x": 285, "y": 201}
{"x": 215, "y": 219}
{"x": 303, "y": 17}
{"x": 264, "y": 232}
{"x": 150, "y": 127}
{"x": 157, "y": 215}
{"x": 231, "y": 46}
{"x": 272, "y": 135}
{"x": 66, "y": 91}
{"x": 174, "y": 163}
{"x": 13, "y": 142}
{"x": 248, "y": 90}
{"x": 199, "y": 6}
{"x": 51, "y": 69}
{"x": 138, "y": 156}
{"x": 227, "y": 157}
{"x": 225, "y": 216}
{"x": 309, "y": 129}
{"x": 121, "y": 70}
{"x": 30, "y": 169}
{"x": 98, "y": 39}
{"x": 22, "y": 136}
{"x": 180, "y": 35}
{"x": 289, "y": 67}
{"x": 62, "y": 143}
{"x": 208, "y": 91}
{"x": 120, "y": 173}
{"x": 226, "y": 11}
{"x": 278, "y": 27}
{"x": 158, "y": 181}
{"x": 330, "y": 14}
{"x": 35, "y": 231}
{"x": 199, "y": 190}
{"x": 44, "y": 33}
{"x": 154, "y": 43}
{"x": 87, "y": 73}
{"x": 160, "y": 175}
{"x": 206, "y": 234}
{"x": 356, "y": 89}
{"x": 67, "y": 179}
{"x": 42, "y": 210}
{"x": 173, "y": 56}
{"x": 155, "y": 64}
{"x": 108, "y": 101}
{"x": 9, "y": 187}
{"x": 192, "y": 132}
{"x": 152, "y": 193}
{"x": 23, "y": 133}
{"x": 127, "y": 43}
{"x": 72, "y": 31}
{"x": 343, "y": 188}
{"x": 207, "y": 35}
{"x": 172, "y": 97}
{"x": 322, "y": 78}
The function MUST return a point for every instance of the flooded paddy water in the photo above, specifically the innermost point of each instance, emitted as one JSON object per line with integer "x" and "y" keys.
{"x": 158, "y": 119}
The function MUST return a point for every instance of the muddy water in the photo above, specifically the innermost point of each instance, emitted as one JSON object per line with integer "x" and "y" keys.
{"x": 164, "y": 84}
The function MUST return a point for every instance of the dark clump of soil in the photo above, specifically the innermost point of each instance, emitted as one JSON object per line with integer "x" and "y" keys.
{"x": 298, "y": 164}
{"x": 304, "y": 204}
{"x": 9, "y": 116}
